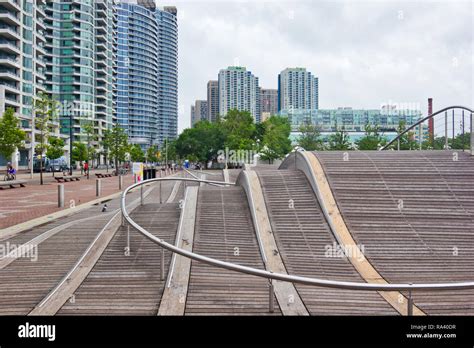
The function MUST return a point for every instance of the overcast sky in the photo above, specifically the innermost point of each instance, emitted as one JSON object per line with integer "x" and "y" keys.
{"x": 365, "y": 53}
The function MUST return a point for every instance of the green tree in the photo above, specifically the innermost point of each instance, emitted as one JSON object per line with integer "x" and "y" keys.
{"x": 11, "y": 136}
{"x": 55, "y": 149}
{"x": 105, "y": 143}
{"x": 239, "y": 130}
{"x": 339, "y": 141}
{"x": 152, "y": 154}
{"x": 46, "y": 112}
{"x": 79, "y": 153}
{"x": 372, "y": 139}
{"x": 407, "y": 141}
{"x": 118, "y": 141}
{"x": 310, "y": 138}
{"x": 276, "y": 139}
{"x": 88, "y": 128}
{"x": 136, "y": 153}
{"x": 200, "y": 143}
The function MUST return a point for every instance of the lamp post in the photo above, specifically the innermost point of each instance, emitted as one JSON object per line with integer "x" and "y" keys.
{"x": 70, "y": 143}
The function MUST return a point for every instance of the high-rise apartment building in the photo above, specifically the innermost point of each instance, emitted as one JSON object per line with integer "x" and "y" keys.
{"x": 80, "y": 61}
{"x": 297, "y": 90}
{"x": 199, "y": 111}
{"x": 212, "y": 101}
{"x": 167, "y": 19}
{"x": 193, "y": 115}
{"x": 147, "y": 106}
{"x": 22, "y": 68}
{"x": 269, "y": 101}
{"x": 238, "y": 89}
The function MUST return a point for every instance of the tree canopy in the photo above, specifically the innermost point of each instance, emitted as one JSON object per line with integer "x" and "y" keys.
{"x": 11, "y": 136}
{"x": 276, "y": 139}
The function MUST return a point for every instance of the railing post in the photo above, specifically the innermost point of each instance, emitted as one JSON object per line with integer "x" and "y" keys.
{"x": 420, "y": 137}
{"x": 271, "y": 304}
{"x": 141, "y": 194}
{"x": 162, "y": 265}
{"x": 472, "y": 134}
{"x": 410, "y": 304}
{"x": 463, "y": 143}
{"x": 446, "y": 130}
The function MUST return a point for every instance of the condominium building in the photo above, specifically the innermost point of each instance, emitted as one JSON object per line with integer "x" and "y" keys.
{"x": 238, "y": 89}
{"x": 269, "y": 101}
{"x": 200, "y": 111}
{"x": 147, "y": 98}
{"x": 22, "y": 69}
{"x": 193, "y": 115}
{"x": 167, "y": 19}
{"x": 297, "y": 90}
{"x": 137, "y": 79}
{"x": 212, "y": 100}
{"x": 81, "y": 54}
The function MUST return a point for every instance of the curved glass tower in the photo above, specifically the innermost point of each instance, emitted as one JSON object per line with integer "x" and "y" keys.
{"x": 147, "y": 105}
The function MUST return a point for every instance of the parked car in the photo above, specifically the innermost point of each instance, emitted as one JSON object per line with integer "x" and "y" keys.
{"x": 56, "y": 165}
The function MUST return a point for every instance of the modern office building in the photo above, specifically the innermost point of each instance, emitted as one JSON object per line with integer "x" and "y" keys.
{"x": 238, "y": 89}
{"x": 80, "y": 62}
{"x": 212, "y": 100}
{"x": 269, "y": 101}
{"x": 22, "y": 69}
{"x": 297, "y": 90}
{"x": 147, "y": 106}
{"x": 354, "y": 121}
{"x": 199, "y": 111}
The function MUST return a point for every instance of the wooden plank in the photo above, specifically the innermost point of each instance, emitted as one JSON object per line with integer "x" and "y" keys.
{"x": 173, "y": 301}
{"x": 317, "y": 178}
{"x": 287, "y": 296}
{"x": 52, "y": 303}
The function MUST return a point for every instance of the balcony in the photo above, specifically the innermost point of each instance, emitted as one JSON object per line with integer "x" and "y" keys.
{"x": 8, "y": 32}
{"x": 9, "y": 61}
{"x": 9, "y": 47}
{"x": 10, "y": 87}
{"x": 8, "y": 17}
{"x": 11, "y": 5}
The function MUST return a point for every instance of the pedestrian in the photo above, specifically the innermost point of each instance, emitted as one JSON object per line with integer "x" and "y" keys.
{"x": 86, "y": 168}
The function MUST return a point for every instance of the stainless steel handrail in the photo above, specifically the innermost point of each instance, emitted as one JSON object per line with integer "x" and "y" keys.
{"x": 222, "y": 184}
{"x": 279, "y": 276}
{"x": 423, "y": 120}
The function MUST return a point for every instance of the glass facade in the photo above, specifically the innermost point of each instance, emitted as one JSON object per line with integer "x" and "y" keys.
{"x": 80, "y": 63}
{"x": 147, "y": 87}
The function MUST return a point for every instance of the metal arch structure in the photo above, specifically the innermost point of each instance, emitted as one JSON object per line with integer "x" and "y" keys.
{"x": 425, "y": 119}
{"x": 279, "y": 276}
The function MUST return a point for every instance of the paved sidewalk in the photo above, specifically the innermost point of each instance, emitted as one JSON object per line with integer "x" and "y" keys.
{"x": 24, "y": 204}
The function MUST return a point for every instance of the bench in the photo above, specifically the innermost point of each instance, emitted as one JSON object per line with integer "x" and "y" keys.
{"x": 12, "y": 184}
{"x": 100, "y": 176}
{"x": 67, "y": 178}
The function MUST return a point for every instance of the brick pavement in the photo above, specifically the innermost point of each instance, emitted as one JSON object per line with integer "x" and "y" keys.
{"x": 23, "y": 204}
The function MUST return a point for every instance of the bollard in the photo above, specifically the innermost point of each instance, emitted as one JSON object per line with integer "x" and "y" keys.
{"x": 162, "y": 265}
{"x": 98, "y": 187}
{"x": 61, "y": 196}
{"x": 120, "y": 182}
{"x": 271, "y": 299}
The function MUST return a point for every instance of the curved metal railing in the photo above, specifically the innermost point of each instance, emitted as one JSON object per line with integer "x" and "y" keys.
{"x": 280, "y": 276}
{"x": 413, "y": 126}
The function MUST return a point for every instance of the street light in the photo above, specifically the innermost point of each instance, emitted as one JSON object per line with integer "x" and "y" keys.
{"x": 70, "y": 143}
